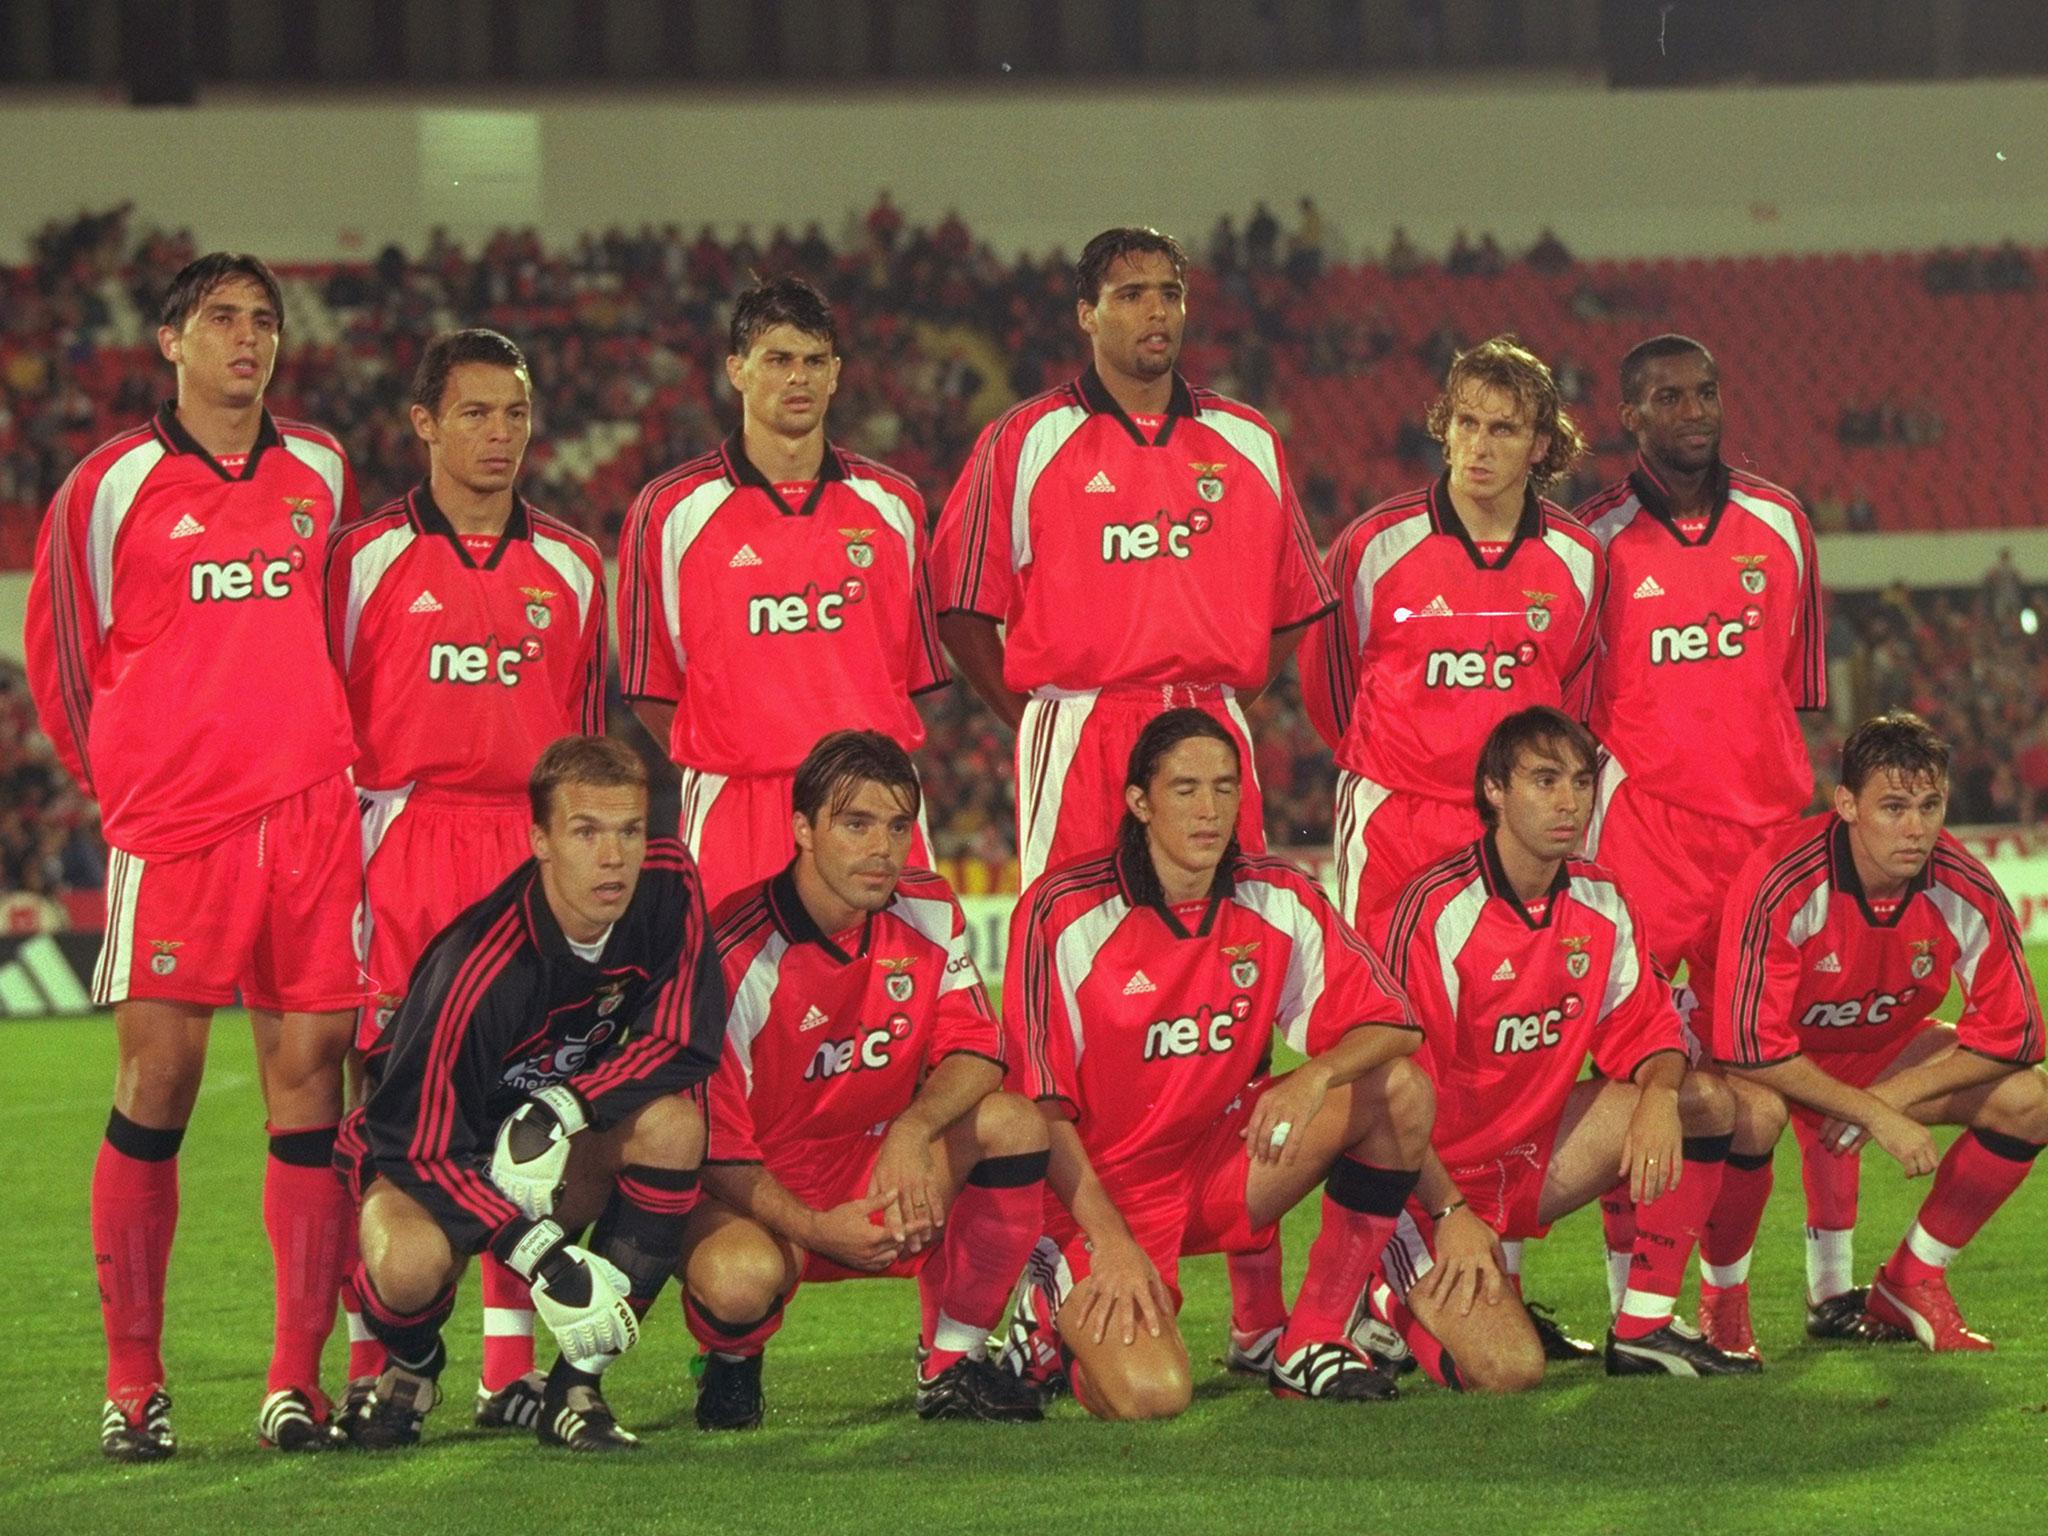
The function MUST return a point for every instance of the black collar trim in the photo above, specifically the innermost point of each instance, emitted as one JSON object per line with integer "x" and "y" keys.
{"x": 794, "y": 922}
{"x": 1655, "y": 497}
{"x": 1842, "y": 872}
{"x": 428, "y": 517}
{"x": 1095, "y": 396}
{"x": 174, "y": 436}
{"x": 1498, "y": 885}
{"x": 1444, "y": 518}
{"x": 741, "y": 470}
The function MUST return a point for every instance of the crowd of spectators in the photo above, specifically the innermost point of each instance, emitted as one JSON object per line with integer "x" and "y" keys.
{"x": 625, "y": 331}
{"x": 2007, "y": 269}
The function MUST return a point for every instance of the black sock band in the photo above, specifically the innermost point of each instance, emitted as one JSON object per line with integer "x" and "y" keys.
{"x": 719, "y": 1325}
{"x": 1372, "y": 1191}
{"x": 1998, "y": 1144}
{"x": 305, "y": 1149}
{"x": 1708, "y": 1149}
{"x": 1012, "y": 1172}
{"x": 413, "y": 1339}
{"x": 140, "y": 1141}
{"x": 1749, "y": 1162}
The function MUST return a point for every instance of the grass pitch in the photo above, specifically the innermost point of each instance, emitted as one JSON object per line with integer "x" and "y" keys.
{"x": 1828, "y": 1438}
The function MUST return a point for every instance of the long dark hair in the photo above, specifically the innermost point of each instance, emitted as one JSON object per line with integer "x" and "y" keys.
{"x": 1160, "y": 736}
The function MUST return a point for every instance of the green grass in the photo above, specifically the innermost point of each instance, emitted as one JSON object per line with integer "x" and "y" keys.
{"x": 1889, "y": 1439}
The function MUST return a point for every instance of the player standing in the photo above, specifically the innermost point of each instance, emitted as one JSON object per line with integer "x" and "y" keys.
{"x": 1115, "y": 547}
{"x": 176, "y": 654}
{"x": 1144, "y": 990}
{"x": 857, "y": 1123}
{"x": 1710, "y": 641}
{"x": 1457, "y": 605}
{"x": 469, "y": 627}
{"x": 1842, "y": 936}
{"x": 771, "y": 589}
{"x": 1521, "y": 962}
{"x": 555, "y": 1038}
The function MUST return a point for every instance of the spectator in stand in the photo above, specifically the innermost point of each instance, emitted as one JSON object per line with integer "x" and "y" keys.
{"x": 1548, "y": 255}
{"x": 1261, "y": 238}
{"x": 1403, "y": 258}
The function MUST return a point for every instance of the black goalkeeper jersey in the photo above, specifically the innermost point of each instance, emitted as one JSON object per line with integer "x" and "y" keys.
{"x": 499, "y": 1006}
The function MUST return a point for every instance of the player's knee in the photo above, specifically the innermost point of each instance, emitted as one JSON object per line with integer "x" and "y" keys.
{"x": 1009, "y": 1125}
{"x": 1706, "y": 1106}
{"x": 668, "y": 1132}
{"x": 1516, "y": 1366}
{"x": 1760, "y": 1117}
{"x": 2019, "y": 1106}
{"x": 1152, "y": 1387}
{"x": 1401, "y": 1097}
{"x": 407, "y": 1269}
{"x": 158, "y": 1087}
{"x": 737, "y": 1273}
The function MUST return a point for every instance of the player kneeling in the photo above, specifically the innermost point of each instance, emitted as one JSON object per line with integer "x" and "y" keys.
{"x": 856, "y": 1124}
{"x": 1521, "y": 961}
{"x": 557, "y": 1034}
{"x": 1840, "y": 939}
{"x": 1144, "y": 988}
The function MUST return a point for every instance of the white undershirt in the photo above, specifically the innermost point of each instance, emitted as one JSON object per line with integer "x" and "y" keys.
{"x": 589, "y": 952}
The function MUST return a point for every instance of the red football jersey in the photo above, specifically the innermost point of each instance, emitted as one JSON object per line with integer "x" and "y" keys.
{"x": 175, "y": 644}
{"x": 1710, "y": 639}
{"x": 1145, "y": 1021}
{"x": 1433, "y": 643}
{"x": 461, "y": 672}
{"x": 830, "y": 1035}
{"x": 1511, "y": 1004}
{"x": 1114, "y": 554}
{"x": 1807, "y": 968}
{"x": 769, "y": 624}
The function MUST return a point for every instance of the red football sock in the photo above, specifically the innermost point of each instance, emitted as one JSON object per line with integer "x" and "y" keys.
{"x": 134, "y": 1215}
{"x": 989, "y": 1234}
{"x": 1979, "y": 1175}
{"x": 1426, "y": 1347}
{"x": 1831, "y": 1180}
{"x": 1667, "y": 1229}
{"x": 1258, "y": 1303}
{"x": 1361, "y": 1203}
{"x": 308, "y": 1215}
{"x": 1730, "y": 1235}
{"x": 931, "y": 1292}
{"x": 508, "y": 1325}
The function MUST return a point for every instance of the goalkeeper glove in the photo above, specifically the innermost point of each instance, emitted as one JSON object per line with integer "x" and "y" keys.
{"x": 579, "y": 1295}
{"x": 532, "y": 1155}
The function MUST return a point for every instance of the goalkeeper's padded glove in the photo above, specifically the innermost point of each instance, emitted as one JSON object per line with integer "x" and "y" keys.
{"x": 531, "y": 1158}
{"x": 579, "y": 1295}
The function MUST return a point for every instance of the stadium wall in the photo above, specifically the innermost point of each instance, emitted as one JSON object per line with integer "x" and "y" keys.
{"x": 1732, "y": 171}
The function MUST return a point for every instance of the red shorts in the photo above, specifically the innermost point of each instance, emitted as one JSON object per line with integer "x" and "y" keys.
{"x": 1505, "y": 1192}
{"x": 270, "y": 910}
{"x": 1384, "y": 838}
{"x": 1201, "y": 1208}
{"x": 1674, "y": 866}
{"x": 1859, "y": 1069}
{"x": 736, "y": 827}
{"x": 823, "y": 1174}
{"x": 1073, "y": 752}
{"x": 427, "y": 854}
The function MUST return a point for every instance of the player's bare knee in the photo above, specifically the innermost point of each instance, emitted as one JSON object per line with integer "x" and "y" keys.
{"x": 667, "y": 1132}
{"x": 1123, "y": 1384}
{"x": 1392, "y": 1109}
{"x": 1706, "y": 1107}
{"x": 408, "y": 1267}
{"x": 1515, "y": 1366}
{"x": 2018, "y": 1106}
{"x": 737, "y": 1273}
{"x": 1760, "y": 1117}
{"x": 158, "y": 1089}
{"x": 1009, "y": 1125}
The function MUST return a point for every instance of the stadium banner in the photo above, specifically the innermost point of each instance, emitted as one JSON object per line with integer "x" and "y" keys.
{"x": 46, "y": 975}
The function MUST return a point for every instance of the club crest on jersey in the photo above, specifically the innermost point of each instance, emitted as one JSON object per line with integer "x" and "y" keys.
{"x": 538, "y": 614}
{"x": 1538, "y": 615}
{"x": 859, "y": 552}
{"x": 1209, "y": 480}
{"x": 1577, "y": 962}
{"x": 1752, "y": 572}
{"x": 1923, "y": 959}
{"x": 901, "y": 984}
{"x": 302, "y": 519}
{"x": 609, "y": 996}
{"x": 1244, "y": 970}
{"x": 165, "y": 960}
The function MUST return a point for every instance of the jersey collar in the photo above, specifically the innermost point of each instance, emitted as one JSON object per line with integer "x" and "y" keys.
{"x": 1842, "y": 873}
{"x": 1655, "y": 497}
{"x": 547, "y": 935}
{"x": 741, "y": 470}
{"x": 429, "y": 518}
{"x": 794, "y": 922}
{"x": 1098, "y": 401}
{"x": 1139, "y": 884}
{"x": 176, "y": 439}
{"x": 1497, "y": 884}
{"x": 1443, "y": 518}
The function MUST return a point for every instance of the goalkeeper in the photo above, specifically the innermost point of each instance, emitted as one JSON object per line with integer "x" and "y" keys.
{"x": 544, "y": 1072}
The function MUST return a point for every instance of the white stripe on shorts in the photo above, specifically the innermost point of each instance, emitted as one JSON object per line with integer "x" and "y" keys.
{"x": 1406, "y": 1258}
{"x": 117, "y": 947}
{"x": 1048, "y": 739}
{"x": 380, "y": 810}
{"x": 700, "y": 791}
{"x": 1357, "y": 798}
{"x": 1611, "y": 775}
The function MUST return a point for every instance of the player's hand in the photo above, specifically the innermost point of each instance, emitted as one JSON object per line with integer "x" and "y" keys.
{"x": 1842, "y": 1137}
{"x": 1469, "y": 1265}
{"x": 1279, "y": 1121}
{"x": 1653, "y": 1147}
{"x": 532, "y": 1154}
{"x": 906, "y": 1165}
{"x": 854, "y": 1234}
{"x": 1126, "y": 1295}
{"x": 1907, "y": 1140}
{"x": 582, "y": 1297}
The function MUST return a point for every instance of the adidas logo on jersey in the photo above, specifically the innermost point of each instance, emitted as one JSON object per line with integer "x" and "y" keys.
{"x": 1437, "y": 609}
{"x": 746, "y": 556}
{"x": 426, "y": 602}
{"x": 1505, "y": 971}
{"x": 1829, "y": 964}
{"x": 814, "y": 1018}
{"x": 1648, "y": 587}
{"x": 1099, "y": 485}
{"x": 1139, "y": 982}
{"x": 188, "y": 526}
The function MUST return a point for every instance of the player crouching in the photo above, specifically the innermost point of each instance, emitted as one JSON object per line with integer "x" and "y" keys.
{"x": 1520, "y": 961}
{"x": 856, "y": 1124}
{"x": 1144, "y": 989}
{"x": 1840, "y": 939}
{"x": 555, "y": 1034}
